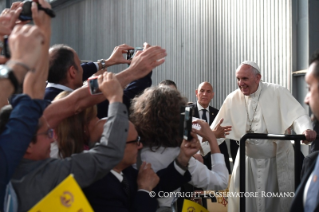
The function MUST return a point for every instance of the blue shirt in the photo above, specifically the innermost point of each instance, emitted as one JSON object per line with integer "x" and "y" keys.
{"x": 17, "y": 135}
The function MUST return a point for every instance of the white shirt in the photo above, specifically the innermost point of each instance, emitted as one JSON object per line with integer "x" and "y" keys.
{"x": 215, "y": 179}
{"x": 119, "y": 176}
{"x": 59, "y": 86}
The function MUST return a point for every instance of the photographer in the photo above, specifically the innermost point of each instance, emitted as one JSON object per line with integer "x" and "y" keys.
{"x": 28, "y": 65}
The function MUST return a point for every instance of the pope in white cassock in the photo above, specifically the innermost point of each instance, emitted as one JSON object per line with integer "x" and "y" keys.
{"x": 259, "y": 107}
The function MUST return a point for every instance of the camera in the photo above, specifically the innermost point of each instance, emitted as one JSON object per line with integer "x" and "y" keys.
{"x": 186, "y": 122}
{"x": 131, "y": 53}
{"x": 6, "y": 50}
{"x": 93, "y": 86}
{"x": 26, "y": 13}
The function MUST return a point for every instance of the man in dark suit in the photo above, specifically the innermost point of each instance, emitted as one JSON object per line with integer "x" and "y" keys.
{"x": 307, "y": 194}
{"x": 204, "y": 95}
{"x": 66, "y": 73}
{"x": 127, "y": 189}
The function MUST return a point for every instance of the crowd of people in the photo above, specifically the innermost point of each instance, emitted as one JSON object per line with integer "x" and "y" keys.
{"x": 126, "y": 142}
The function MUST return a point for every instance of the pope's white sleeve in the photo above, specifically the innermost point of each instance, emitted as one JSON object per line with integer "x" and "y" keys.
{"x": 215, "y": 179}
{"x": 301, "y": 124}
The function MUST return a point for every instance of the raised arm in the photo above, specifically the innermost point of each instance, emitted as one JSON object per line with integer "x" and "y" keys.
{"x": 141, "y": 65}
{"x": 202, "y": 177}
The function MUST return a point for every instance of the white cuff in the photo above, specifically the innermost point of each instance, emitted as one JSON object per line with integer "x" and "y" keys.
{"x": 143, "y": 190}
{"x": 217, "y": 158}
{"x": 97, "y": 66}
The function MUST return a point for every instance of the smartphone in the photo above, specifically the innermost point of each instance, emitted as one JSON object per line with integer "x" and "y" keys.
{"x": 93, "y": 86}
{"x": 131, "y": 53}
{"x": 186, "y": 122}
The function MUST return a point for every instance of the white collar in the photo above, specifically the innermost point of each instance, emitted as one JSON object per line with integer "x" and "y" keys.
{"x": 201, "y": 107}
{"x": 257, "y": 92}
{"x": 59, "y": 86}
{"x": 119, "y": 176}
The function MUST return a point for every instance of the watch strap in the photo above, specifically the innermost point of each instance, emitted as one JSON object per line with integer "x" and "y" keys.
{"x": 14, "y": 82}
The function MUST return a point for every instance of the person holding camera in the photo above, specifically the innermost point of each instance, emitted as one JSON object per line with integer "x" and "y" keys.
{"x": 156, "y": 116}
{"x": 89, "y": 166}
{"x": 29, "y": 48}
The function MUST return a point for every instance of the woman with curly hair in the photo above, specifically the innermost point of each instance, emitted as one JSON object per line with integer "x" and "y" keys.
{"x": 156, "y": 116}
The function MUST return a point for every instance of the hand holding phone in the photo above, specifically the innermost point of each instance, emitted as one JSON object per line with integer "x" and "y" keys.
{"x": 187, "y": 123}
{"x": 131, "y": 52}
{"x": 93, "y": 86}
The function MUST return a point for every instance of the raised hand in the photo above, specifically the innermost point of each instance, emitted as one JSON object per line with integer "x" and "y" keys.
{"x": 110, "y": 87}
{"x": 145, "y": 61}
{"x": 41, "y": 19}
{"x": 207, "y": 134}
{"x": 221, "y": 132}
{"x": 26, "y": 45}
{"x": 117, "y": 55}
{"x": 188, "y": 149}
{"x": 147, "y": 179}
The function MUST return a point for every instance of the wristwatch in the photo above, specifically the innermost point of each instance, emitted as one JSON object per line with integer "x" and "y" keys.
{"x": 103, "y": 64}
{"x": 7, "y": 73}
{"x": 185, "y": 168}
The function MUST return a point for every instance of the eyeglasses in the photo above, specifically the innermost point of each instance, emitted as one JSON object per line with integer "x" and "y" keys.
{"x": 49, "y": 133}
{"x": 137, "y": 141}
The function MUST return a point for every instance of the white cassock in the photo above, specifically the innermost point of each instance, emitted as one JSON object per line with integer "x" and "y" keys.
{"x": 269, "y": 163}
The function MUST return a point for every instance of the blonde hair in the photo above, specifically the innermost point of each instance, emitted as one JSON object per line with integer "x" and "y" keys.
{"x": 72, "y": 133}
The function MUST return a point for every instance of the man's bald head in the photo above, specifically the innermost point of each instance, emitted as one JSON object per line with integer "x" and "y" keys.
{"x": 204, "y": 94}
{"x": 205, "y": 83}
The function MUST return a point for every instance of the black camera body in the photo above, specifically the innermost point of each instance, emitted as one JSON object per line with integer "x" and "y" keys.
{"x": 186, "y": 122}
{"x": 131, "y": 52}
{"x": 6, "y": 49}
{"x": 26, "y": 13}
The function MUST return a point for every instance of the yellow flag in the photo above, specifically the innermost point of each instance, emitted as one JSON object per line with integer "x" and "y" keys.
{"x": 190, "y": 206}
{"x": 67, "y": 196}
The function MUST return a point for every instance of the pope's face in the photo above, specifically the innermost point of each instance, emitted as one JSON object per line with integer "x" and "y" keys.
{"x": 312, "y": 98}
{"x": 247, "y": 80}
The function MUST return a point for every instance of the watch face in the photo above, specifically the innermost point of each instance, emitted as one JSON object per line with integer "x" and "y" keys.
{"x": 4, "y": 71}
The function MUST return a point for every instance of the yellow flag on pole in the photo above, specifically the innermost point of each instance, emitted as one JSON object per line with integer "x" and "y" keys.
{"x": 190, "y": 206}
{"x": 67, "y": 196}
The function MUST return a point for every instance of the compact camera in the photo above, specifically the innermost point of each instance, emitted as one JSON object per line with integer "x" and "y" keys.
{"x": 26, "y": 13}
{"x": 131, "y": 53}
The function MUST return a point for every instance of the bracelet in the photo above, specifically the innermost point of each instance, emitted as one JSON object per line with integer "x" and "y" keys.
{"x": 102, "y": 62}
{"x": 26, "y": 67}
{"x": 185, "y": 168}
